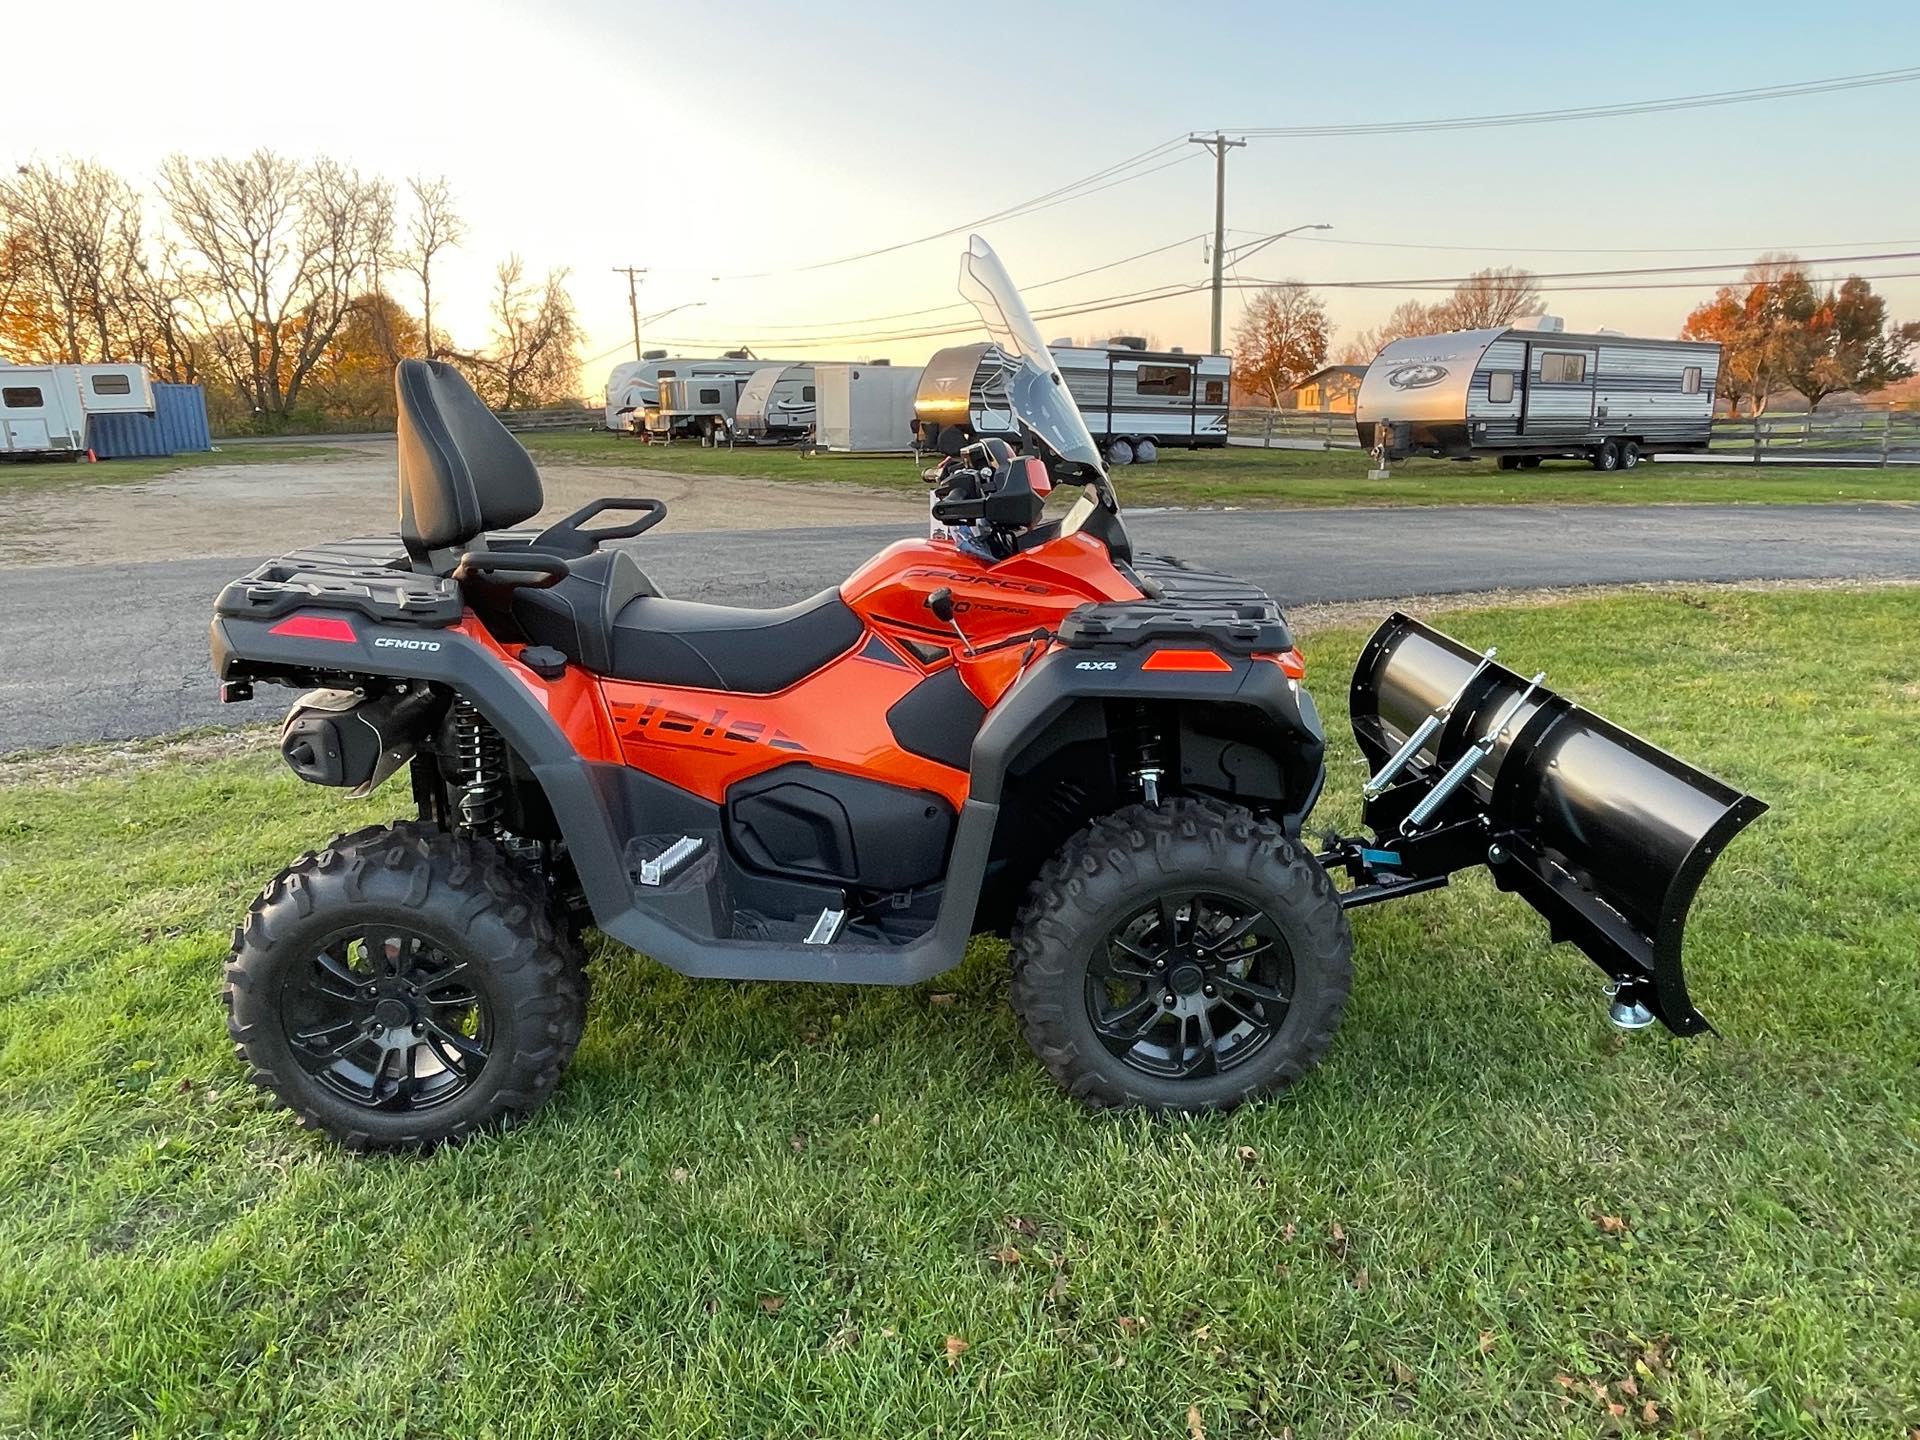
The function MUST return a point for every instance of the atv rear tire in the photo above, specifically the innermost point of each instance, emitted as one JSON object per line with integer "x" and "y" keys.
{"x": 1266, "y": 958}
{"x": 405, "y": 988}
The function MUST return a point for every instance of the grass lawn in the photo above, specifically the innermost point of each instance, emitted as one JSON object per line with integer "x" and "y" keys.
{"x": 1279, "y": 478}
{"x": 16, "y": 478}
{"x": 785, "y": 1210}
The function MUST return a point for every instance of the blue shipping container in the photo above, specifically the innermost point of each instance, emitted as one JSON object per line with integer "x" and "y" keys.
{"x": 178, "y": 425}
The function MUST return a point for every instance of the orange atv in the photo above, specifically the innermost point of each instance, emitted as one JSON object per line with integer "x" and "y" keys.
{"x": 1016, "y": 725}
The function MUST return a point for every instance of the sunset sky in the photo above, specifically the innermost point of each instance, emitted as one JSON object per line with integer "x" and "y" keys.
{"x": 709, "y": 140}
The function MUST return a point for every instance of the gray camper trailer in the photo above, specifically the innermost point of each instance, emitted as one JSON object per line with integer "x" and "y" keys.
{"x": 665, "y": 395}
{"x": 1134, "y": 400}
{"x": 1530, "y": 392}
{"x": 776, "y": 404}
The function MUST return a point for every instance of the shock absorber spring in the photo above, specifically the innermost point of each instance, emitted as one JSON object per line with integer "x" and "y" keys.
{"x": 480, "y": 756}
{"x": 1149, "y": 754}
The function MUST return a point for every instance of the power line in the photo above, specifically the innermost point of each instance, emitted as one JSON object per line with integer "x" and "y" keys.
{"x": 1584, "y": 249}
{"x": 962, "y": 305}
{"x": 1560, "y": 115}
{"x": 1060, "y": 195}
{"x": 1612, "y": 279}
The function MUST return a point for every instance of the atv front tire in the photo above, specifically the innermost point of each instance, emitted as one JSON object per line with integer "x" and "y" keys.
{"x": 1182, "y": 957}
{"x": 405, "y": 988}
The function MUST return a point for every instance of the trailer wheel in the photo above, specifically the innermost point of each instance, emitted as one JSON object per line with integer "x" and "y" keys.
{"x": 1119, "y": 452}
{"x": 1511, "y": 462}
{"x": 1529, "y": 462}
{"x": 1629, "y": 454}
{"x": 1605, "y": 456}
{"x": 1145, "y": 453}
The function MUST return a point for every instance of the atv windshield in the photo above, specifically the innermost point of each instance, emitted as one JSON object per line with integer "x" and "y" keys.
{"x": 1036, "y": 391}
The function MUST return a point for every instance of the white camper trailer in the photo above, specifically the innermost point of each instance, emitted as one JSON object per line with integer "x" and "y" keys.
{"x": 1531, "y": 391}
{"x": 667, "y": 395}
{"x": 775, "y": 405}
{"x": 1134, "y": 400}
{"x": 865, "y": 408}
{"x": 44, "y": 408}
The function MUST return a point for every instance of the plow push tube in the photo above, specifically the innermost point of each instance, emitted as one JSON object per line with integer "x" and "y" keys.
{"x": 1602, "y": 833}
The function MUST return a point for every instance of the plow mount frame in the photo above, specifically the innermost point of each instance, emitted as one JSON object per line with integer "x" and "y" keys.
{"x": 1604, "y": 834}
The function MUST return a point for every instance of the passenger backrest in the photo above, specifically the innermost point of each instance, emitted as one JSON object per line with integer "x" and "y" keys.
{"x": 461, "y": 473}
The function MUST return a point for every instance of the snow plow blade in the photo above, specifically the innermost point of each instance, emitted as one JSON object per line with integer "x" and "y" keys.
{"x": 1604, "y": 834}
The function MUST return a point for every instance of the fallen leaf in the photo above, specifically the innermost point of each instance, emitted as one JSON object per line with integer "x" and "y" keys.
{"x": 956, "y": 1347}
{"x": 1248, "y": 1155}
{"x": 1006, "y": 1255}
{"x": 1650, "y": 1414}
{"x": 941, "y": 999}
{"x": 1132, "y": 1325}
{"x": 1629, "y": 1387}
{"x": 1287, "y": 1232}
{"x": 1339, "y": 1234}
{"x": 771, "y": 1303}
{"x": 875, "y": 1120}
{"x": 1203, "y": 1332}
{"x": 1565, "y": 1382}
{"x": 1612, "y": 1224}
{"x": 1402, "y": 1376}
{"x": 1058, "y": 1287}
{"x": 679, "y": 1175}
{"x": 1614, "y": 1407}
{"x": 1486, "y": 1342}
{"x": 1361, "y": 1279}
{"x": 1194, "y": 1428}
{"x": 796, "y": 1143}
{"x": 1020, "y": 1224}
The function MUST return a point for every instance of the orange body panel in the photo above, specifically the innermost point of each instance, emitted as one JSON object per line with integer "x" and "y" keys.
{"x": 705, "y": 741}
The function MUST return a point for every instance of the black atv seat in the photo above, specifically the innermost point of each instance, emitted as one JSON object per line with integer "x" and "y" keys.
{"x": 608, "y": 617}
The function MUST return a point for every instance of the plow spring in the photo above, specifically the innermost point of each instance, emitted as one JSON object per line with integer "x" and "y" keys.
{"x": 1604, "y": 834}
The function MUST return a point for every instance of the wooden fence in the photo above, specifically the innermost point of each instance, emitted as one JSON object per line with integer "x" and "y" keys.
{"x": 1857, "y": 435}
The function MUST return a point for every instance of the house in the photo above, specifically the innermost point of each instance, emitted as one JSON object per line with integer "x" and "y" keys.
{"x": 1330, "y": 390}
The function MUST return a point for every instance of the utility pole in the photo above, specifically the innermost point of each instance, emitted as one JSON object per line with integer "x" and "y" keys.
{"x": 633, "y": 274}
{"x": 1219, "y": 145}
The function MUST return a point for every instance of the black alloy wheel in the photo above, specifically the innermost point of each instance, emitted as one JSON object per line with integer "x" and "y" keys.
{"x": 1192, "y": 983}
{"x": 386, "y": 1020}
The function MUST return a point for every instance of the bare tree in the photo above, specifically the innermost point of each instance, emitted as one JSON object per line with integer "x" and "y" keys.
{"x": 432, "y": 226}
{"x": 75, "y": 229}
{"x": 534, "y": 357}
{"x": 1280, "y": 340}
{"x": 281, "y": 248}
{"x": 1488, "y": 299}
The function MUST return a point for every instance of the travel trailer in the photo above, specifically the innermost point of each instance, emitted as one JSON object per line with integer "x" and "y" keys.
{"x": 1134, "y": 400}
{"x": 667, "y": 395}
{"x": 1532, "y": 391}
{"x": 776, "y": 404}
{"x": 44, "y": 409}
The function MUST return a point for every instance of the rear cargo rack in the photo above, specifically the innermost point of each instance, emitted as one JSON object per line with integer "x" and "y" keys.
{"x": 367, "y": 575}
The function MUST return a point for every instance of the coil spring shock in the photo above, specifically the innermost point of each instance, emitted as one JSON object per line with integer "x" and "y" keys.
{"x": 1149, "y": 754}
{"x": 481, "y": 759}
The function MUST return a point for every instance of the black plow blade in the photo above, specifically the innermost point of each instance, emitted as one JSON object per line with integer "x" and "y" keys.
{"x": 1604, "y": 834}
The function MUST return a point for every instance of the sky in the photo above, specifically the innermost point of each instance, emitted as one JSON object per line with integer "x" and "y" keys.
{"x": 707, "y": 140}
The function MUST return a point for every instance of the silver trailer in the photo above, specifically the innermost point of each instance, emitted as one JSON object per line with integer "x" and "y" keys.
{"x": 1530, "y": 392}
{"x": 1134, "y": 400}
{"x": 776, "y": 404}
{"x": 667, "y": 395}
{"x": 44, "y": 409}
{"x": 865, "y": 408}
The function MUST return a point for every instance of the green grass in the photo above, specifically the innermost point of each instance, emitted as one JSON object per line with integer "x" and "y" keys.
{"x": 17, "y": 478}
{"x": 1278, "y": 478}
{"x": 764, "y": 1209}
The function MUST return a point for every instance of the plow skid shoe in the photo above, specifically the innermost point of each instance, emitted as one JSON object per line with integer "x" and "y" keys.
{"x": 1604, "y": 834}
